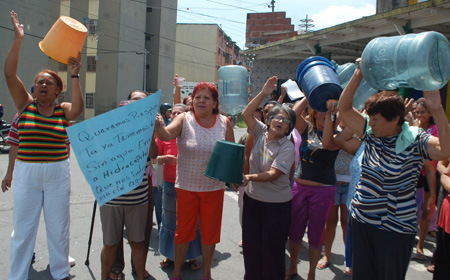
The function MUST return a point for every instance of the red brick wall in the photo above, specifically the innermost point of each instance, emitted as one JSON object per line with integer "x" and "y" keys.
{"x": 263, "y": 28}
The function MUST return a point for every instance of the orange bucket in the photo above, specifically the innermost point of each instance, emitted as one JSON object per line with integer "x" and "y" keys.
{"x": 64, "y": 39}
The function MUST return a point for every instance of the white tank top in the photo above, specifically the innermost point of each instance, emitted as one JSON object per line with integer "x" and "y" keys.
{"x": 195, "y": 145}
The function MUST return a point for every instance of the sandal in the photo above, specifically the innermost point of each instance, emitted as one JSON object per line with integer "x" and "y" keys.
{"x": 194, "y": 264}
{"x": 430, "y": 268}
{"x": 289, "y": 276}
{"x": 322, "y": 265}
{"x": 348, "y": 271}
{"x": 165, "y": 263}
{"x": 418, "y": 257}
{"x": 116, "y": 275}
{"x": 146, "y": 274}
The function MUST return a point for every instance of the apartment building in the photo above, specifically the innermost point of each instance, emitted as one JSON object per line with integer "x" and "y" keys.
{"x": 130, "y": 45}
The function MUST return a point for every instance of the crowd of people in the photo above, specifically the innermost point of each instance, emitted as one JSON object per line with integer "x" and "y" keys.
{"x": 377, "y": 169}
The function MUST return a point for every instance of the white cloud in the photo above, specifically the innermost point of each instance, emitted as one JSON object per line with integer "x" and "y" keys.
{"x": 334, "y": 15}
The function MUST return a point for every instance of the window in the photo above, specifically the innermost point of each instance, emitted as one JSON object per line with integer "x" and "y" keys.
{"x": 91, "y": 63}
{"x": 93, "y": 27}
{"x": 89, "y": 103}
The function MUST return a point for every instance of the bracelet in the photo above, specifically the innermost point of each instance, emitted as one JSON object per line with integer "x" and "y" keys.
{"x": 75, "y": 76}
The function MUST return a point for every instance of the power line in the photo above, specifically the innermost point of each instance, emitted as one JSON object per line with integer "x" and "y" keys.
{"x": 237, "y": 7}
{"x": 37, "y": 9}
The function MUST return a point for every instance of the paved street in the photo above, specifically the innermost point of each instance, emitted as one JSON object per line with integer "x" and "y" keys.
{"x": 228, "y": 258}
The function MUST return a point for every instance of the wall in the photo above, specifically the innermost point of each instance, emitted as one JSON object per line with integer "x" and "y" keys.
{"x": 37, "y": 21}
{"x": 195, "y": 53}
{"x": 264, "y": 69}
{"x": 388, "y": 5}
{"x": 263, "y": 28}
{"x": 160, "y": 30}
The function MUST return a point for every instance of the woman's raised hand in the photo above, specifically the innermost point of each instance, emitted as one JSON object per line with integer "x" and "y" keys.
{"x": 432, "y": 100}
{"x": 408, "y": 104}
{"x": 270, "y": 85}
{"x": 75, "y": 64}
{"x": 332, "y": 105}
{"x": 175, "y": 81}
{"x": 18, "y": 28}
{"x": 159, "y": 122}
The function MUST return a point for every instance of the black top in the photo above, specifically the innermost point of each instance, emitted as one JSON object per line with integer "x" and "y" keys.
{"x": 316, "y": 163}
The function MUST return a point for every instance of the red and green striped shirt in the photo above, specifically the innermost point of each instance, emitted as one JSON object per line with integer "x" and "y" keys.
{"x": 42, "y": 139}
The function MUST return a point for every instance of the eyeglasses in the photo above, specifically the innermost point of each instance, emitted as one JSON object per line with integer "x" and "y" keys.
{"x": 284, "y": 120}
{"x": 47, "y": 82}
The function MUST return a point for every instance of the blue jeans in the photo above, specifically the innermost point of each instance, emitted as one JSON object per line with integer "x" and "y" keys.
{"x": 157, "y": 202}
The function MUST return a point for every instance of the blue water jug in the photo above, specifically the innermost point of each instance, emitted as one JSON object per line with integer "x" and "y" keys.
{"x": 317, "y": 79}
{"x": 233, "y": 88}
{"x": 420, "y": 61}
{"x": 364, "y": 91}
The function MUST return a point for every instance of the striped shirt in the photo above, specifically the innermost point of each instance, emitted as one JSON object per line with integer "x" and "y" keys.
{"x": 42, "y": 139}
{"x": 134, "y": 197}
{"x": 385, "y": 195}
{"x": 13, "y": 134}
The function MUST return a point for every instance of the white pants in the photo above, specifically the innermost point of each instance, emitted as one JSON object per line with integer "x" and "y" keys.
{"x": 40, "y": 186}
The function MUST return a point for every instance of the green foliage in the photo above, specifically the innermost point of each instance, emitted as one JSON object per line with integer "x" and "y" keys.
{"x": 240, "y": 123}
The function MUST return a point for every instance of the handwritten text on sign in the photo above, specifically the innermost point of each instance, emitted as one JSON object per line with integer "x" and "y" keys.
{"x": 112, "y": 148}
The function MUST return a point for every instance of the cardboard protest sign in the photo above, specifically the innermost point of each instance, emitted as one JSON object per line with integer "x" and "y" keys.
{"x": 112, "y": 148}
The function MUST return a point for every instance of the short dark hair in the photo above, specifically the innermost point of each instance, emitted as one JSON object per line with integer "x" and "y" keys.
{"x": 137, "y": 90}
{"x": 278, "y": 108}
{"x": 389, "y": 104}
{"x": 274, "y": 102}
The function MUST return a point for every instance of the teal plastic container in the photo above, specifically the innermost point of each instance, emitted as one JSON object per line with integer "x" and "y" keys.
{"x": 226, "y": 163}
{"x": 317, "y": 79}
{"x": 420, "y": 61}
{"x": 233, "y": 88}
{"x": 364, "y": 91}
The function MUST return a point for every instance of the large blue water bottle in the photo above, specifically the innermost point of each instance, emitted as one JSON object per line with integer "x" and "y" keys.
{"x": 317, "y": 79}
{"x": 420, "y": 61}
{"x": 364, "y": 91}
{"x": 233, "y": 88}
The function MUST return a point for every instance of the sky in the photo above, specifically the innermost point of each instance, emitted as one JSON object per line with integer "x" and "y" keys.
{"x": 231, "y": 15}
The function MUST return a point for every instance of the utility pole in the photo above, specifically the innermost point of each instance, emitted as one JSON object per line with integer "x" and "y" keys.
{"x": 144, "y": 82}
{"x": 306, "y": 23}
{"x": 272, "y": 5}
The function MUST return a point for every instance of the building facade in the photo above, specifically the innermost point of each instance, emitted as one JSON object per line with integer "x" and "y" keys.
{"x": 201, "y": 49}
{"x": 130, "y": 45}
